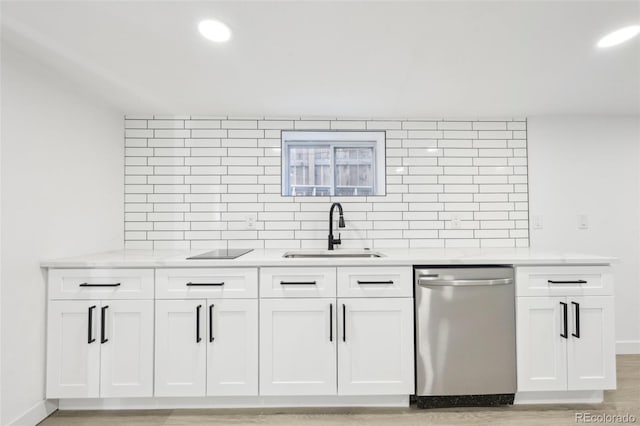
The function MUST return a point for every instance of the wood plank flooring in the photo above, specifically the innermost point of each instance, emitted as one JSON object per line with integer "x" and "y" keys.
{"x": 624, "y": 400}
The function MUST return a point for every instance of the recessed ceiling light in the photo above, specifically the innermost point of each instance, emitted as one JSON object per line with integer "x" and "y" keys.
{"x": 214, "y": 30}
{"x": 619, "y": 36}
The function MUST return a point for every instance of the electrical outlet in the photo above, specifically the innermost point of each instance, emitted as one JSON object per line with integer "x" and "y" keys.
{"x": 537, "y": 221}
{"x": 250, "y": 223}
{"x": 583, "y": 221}
{"x": 456, "y": 222}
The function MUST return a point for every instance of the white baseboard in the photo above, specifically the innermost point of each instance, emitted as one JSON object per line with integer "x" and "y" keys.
{"x": 624, "y": 347}
{"x": 234, "y": 402}
{"x": 37, "y": 413}
{"x": 559, "y": 397}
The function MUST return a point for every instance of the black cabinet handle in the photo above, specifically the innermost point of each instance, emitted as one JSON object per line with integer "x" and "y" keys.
{"x": 344, "y": 322}
{"x": 331, "y": 322}
{"x": 567, "y": 282}
{"x": 198, "y": 338}
{"x": 90, "y": 338}
{"x": 190, "y": 284}
{"x": 564, "y": 319}
{"x": 99, "y": 285}
{"x": 211, "y": 338}
{"x": 297, "y": 283}
{"x": 375, "y": 282}
{"x": 103, "y": 315}
{"x": 577, "y": 333}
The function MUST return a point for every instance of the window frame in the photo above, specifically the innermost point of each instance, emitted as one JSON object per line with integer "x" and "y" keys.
{"x": 333, "y": 139}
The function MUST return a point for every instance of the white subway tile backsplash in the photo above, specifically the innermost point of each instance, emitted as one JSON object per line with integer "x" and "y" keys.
{"x": 138, "y": 133}
{"x": 383, "y": 125}
{"x": 420, "y": 125}
{"x": 495, "y": 134}
{"x": 208, "y": 133}
{"x": 516, "y": 125}
{"x": 312, "y": 125}
{"x": 171, "y": 133}
{"x": 166, "y": 143}
{"x": 202, "y": 124}
{"x": 193, "y": 181}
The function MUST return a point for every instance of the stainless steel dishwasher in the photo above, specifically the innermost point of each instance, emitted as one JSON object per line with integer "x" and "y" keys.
{"x": 465, "y": 336}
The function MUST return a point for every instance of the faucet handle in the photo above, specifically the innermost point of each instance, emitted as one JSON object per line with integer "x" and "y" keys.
{"x": 339, "y": 241}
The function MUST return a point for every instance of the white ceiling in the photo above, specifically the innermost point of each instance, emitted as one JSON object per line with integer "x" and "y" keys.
{"x": 341, "y": 58}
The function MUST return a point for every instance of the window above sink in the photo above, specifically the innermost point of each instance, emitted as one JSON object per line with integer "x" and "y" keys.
{"x": 333, "y": 163}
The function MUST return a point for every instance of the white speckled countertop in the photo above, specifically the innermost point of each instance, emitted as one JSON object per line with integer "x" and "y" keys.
{"x": 273, "y": 257}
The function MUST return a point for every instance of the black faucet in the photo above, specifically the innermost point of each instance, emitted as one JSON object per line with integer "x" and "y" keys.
{"x": 333, "y": 241}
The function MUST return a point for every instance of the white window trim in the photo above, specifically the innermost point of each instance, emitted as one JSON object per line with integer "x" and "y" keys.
{"x": 335, "y": 139}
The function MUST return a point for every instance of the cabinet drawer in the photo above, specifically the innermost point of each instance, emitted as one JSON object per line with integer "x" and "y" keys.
{"x": 375, "y": 282}
{"x": 92, "y": 284}
{"x": 564, "y": 281}
{"x": 297, "y": 282}
{"x": 198, "y": 283}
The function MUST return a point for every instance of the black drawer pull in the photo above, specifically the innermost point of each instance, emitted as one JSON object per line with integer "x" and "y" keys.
{"x": 344, "y": 322}
{"x": 577, "y": 333}
{"x": 375, "y": 282}
{"x": 190, "y": 284}
{"x": 211, "y": 338}
{"x": 99, "y": 285}
{"x": 297, "y": 283}
{"x": 331, "y": 322}
{"x": 103, "y": 315}
{"x": 90, "y": 338}
{"x": 198, "y": 338}
{"x": 564, "y": 320}
{"x": 567, "y": 282}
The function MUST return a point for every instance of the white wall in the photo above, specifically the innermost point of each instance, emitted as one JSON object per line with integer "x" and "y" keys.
{"x": 589, "y": 165}
{"x": 62, "y": 180}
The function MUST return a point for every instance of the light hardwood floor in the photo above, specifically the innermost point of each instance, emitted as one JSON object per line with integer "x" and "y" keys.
{"x": 624, "y": 400}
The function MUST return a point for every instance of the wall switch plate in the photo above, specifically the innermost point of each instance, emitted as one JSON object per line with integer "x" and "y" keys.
{"x": 583, "y": 221}
{"x": 456, "y": 222}
{"x": 536, "y": 221}
{"x": 250, "y": 223}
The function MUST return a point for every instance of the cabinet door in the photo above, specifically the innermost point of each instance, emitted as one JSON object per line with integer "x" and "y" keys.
{"x": 126, "y": 342}
{"x": 540, "y": 348}
{"x": 73, "y": 349}
{"x": 375, "y": 346}
{"x": 232, "y": 347}
{"x": 591, "y": 359}
{"x": 298, "y": 347}
{"x": 180, "y": 348}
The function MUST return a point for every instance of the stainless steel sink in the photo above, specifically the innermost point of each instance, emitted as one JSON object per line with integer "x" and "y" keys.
{"x": 332, "y": 254}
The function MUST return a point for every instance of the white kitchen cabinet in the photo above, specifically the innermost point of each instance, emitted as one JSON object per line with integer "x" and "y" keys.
{"x": 232, "y": 347}
{"x": 541, "y": 351}
{"x": 206, "y": 283}
{"x": 126, "y": 358}
{"x": 100, "y": 349}
{"x": 376, "y": 281}
{"x": 298, "y": 347}
{"x": 180, "y": 348}
{"x": 564, "y": 281}
{"x": 206, "y": 347}
{"x": 100, "y": 284}
{"x": 572, "y": 352}
{"x": 375, "y": 346}
{"x": 73, "y": 349}
{"x": 302, "y": 282}
{"x": 591, "y": 356}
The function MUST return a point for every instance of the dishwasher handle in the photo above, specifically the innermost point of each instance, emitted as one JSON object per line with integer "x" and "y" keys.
{"x": 430, "y": 280}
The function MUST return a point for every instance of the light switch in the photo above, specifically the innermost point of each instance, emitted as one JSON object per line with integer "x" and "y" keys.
{"x": 583, "y": 221}
{"x": 537, "y": 221}
{"x": 456, "y": 222}
{"x": 250, "y": 223}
